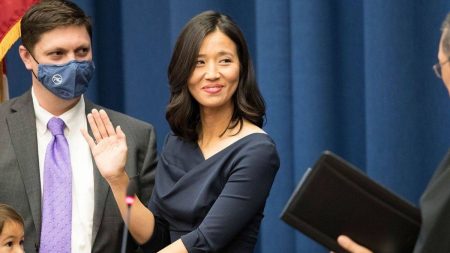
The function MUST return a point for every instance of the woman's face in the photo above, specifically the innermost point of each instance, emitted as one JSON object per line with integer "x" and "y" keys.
{"x": 216, "y": 75}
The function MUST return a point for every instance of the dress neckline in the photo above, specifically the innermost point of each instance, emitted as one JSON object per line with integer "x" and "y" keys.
{"x": 199, "y": 150}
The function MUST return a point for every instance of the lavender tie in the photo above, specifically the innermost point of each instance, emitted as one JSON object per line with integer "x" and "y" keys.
{"x": 57, "y": 199}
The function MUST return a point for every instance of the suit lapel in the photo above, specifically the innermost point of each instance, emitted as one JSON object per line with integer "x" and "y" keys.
{"x": 22, "y": 129}
{"x": 101, "y": 187}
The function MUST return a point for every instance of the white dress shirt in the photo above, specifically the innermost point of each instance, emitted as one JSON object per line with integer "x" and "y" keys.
{"x": 82, "y": 169}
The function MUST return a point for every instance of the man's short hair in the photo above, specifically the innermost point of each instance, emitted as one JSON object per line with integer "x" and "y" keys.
{"x": 47, "y": 15}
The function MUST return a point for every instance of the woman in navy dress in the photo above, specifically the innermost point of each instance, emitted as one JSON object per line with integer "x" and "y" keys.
{"x": 217, "y": 165}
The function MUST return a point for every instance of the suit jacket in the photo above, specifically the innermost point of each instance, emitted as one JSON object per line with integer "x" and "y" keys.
{"x": 20, "y": 181}
{"x": 435, "y": 207}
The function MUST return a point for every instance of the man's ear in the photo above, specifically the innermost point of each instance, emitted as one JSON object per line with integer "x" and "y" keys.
{"x": 26, "y": 57}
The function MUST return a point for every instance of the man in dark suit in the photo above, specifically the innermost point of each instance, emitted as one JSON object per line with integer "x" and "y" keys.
{"x": 56, "y": 49}
{"x": 435, "y": 202}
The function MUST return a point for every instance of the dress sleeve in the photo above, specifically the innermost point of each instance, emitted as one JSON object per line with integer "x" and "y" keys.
{"x": 161, "y": 233}
{"x": 160, "y": 237}
{"x": 243, "y": 196}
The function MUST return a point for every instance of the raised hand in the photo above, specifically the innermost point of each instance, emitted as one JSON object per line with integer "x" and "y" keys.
{"x": 350, "y": 245}
{"x": 109, "y": 148}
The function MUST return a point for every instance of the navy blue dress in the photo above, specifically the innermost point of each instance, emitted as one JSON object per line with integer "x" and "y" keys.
{"x": 213, "y": 205}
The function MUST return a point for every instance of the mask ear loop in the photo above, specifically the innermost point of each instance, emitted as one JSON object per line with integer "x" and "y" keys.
{"x": 33, "y": 59}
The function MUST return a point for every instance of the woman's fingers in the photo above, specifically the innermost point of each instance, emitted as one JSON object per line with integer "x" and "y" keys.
{"x": 120, "y": 133}
{"x": 107, "y": 123}
{"x": 88, "y": 138}
{"x": 94, "y": 127}
{"x": 100, "y": 124}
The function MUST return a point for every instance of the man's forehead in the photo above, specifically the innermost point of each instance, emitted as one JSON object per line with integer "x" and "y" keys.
{"x": 65, "y": 38}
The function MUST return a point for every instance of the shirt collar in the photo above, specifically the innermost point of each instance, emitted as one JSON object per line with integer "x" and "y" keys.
{"x": 71, "y": 118}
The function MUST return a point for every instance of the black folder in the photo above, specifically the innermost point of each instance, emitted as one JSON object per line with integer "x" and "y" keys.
{"x": 335, "y": 197}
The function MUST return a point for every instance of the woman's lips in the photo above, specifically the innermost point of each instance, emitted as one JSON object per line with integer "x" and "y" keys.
{"x": 212, "y": 89}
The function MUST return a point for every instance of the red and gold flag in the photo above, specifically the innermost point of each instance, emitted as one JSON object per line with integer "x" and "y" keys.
{"x": 11, "y": 12}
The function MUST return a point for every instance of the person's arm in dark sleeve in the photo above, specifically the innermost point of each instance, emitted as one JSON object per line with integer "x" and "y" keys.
{"x": 160, "y": 237}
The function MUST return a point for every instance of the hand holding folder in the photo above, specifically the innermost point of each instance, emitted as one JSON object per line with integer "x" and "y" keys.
{"x": 335, "y": 198}
{"x": 351, "y": 246}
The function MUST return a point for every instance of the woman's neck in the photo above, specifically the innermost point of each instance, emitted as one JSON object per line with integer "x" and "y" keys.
{"x": 214, "y": 125}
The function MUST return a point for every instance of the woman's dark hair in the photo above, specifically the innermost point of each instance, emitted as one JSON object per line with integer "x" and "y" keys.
{"x": 7, "y": 213}
{"x": 183, "y": 110}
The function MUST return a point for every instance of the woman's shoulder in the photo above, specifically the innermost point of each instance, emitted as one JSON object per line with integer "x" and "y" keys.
{"x": 255, "y": 140}
{"x": 255, "y": 152}
{"x": 253, "y": 133}
{"x": 250, "y": 128}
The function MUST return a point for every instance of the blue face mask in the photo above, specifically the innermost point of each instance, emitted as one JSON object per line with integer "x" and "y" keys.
{"x": 66, "y": 81}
